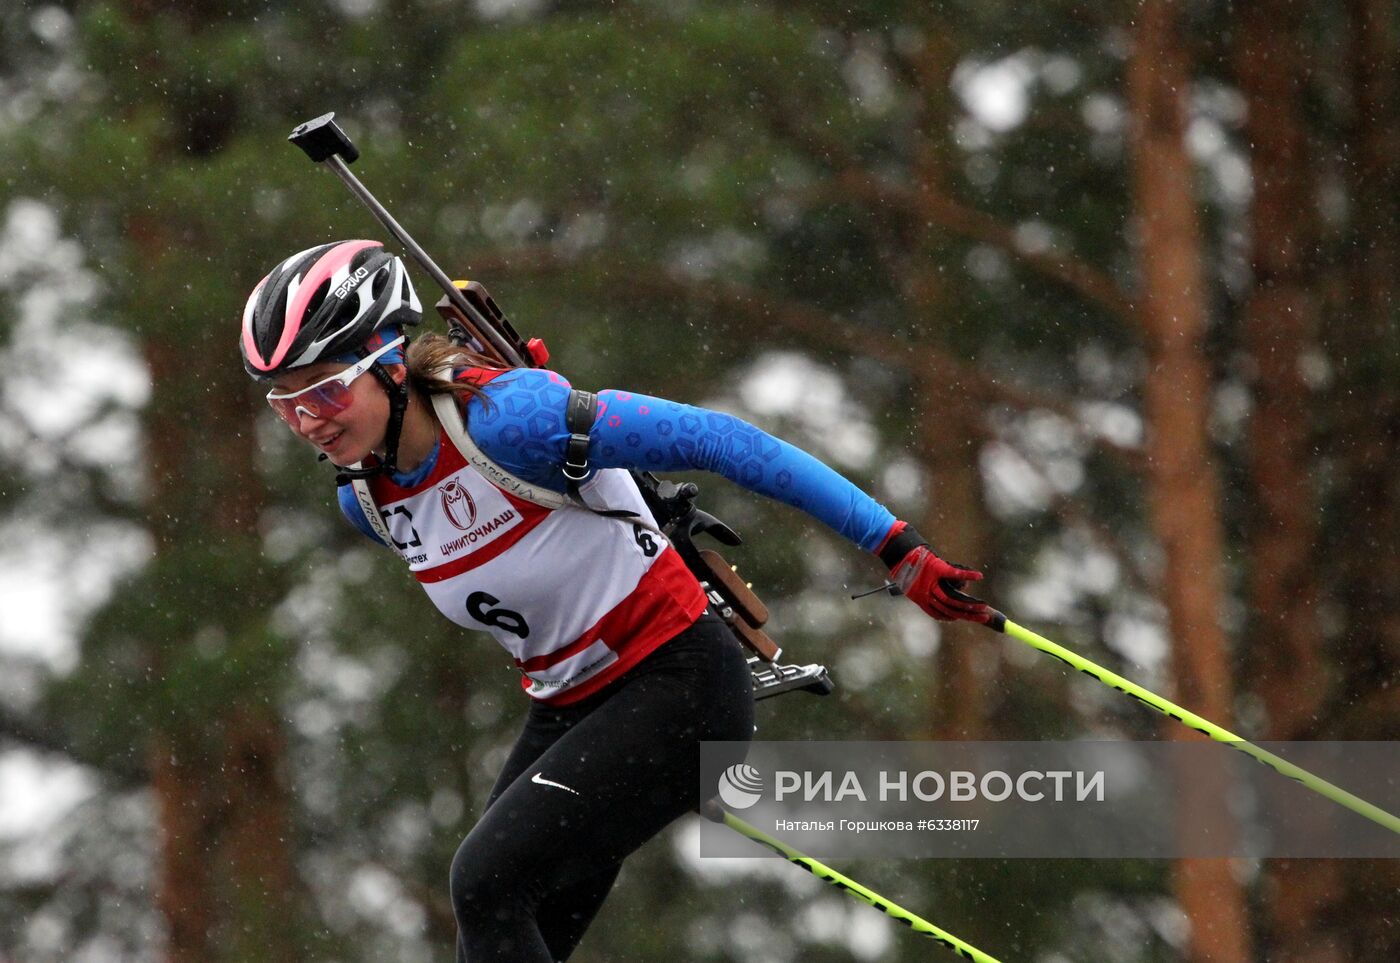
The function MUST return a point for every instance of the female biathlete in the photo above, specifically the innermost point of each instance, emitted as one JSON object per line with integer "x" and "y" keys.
{"x": 460, "y": 468}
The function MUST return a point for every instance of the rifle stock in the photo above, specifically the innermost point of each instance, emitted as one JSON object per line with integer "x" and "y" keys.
{"x": 487, "y": 328}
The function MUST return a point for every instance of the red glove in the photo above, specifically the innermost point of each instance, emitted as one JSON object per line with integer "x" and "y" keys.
{"x": 928, "y": 580}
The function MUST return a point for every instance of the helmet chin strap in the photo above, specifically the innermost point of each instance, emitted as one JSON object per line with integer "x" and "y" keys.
{"x": 398, "y": 404}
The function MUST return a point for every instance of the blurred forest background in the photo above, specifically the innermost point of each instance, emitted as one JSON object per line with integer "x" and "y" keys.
{"x": 1102, "y": 296}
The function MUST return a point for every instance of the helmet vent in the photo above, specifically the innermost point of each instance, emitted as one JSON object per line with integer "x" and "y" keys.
{"x": 318, "y": 298}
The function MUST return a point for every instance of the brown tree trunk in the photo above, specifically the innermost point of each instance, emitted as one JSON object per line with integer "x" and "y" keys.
{"x": 1367, "y": 440}
{"x": 225, "y": 883}
{"x": 1280, "y": 327}
{"x": 257, "y": 842}
{"x": 224, "y": 864}
{"x": 1286, "y": 652}
{"x": 1368, "y": 400}
{"x": 184, "y": 841}
{"x": 955, "y": 521}
{"x": 1182, "y": 480}
{"x": 187, "y": 822}
{"x": 966, "y": 662}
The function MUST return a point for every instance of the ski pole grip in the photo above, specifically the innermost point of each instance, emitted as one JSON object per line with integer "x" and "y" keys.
{"x": 322, "y": 139}
{"x": 953, "y": 588}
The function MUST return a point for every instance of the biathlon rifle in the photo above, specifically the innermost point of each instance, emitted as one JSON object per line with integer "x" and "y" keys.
{"x": 476, "y": 321}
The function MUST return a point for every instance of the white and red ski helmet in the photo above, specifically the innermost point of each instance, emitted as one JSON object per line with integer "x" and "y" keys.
{"x": 324, "y": 303}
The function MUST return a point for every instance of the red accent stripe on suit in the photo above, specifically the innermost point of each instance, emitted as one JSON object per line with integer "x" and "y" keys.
{"x": 666, "y": 602}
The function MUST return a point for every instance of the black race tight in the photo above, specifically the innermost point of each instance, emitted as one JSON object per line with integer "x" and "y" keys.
{"x": 586, "y": 785}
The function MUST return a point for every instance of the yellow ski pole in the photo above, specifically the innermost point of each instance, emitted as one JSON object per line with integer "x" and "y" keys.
{"x": 1000, "y": 623}
{"x": 714, "y": 812}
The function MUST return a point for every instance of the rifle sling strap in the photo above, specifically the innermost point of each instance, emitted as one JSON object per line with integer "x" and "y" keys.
{"x": 579, "y": 417}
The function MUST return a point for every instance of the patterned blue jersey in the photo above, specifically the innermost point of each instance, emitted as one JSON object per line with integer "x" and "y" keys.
{"x": 520, "y": 425}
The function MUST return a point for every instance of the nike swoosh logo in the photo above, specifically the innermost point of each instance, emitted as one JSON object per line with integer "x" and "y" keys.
{"x": 539, "y": 780}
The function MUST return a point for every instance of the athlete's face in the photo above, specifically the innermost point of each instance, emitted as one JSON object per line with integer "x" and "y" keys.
{"x": 348, "y": 435}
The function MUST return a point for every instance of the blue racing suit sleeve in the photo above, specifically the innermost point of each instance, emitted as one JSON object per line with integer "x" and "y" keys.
{"x": 520, "y": 426}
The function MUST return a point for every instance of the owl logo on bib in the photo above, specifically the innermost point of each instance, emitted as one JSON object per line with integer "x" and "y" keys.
{"x": 457, "y": 504}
